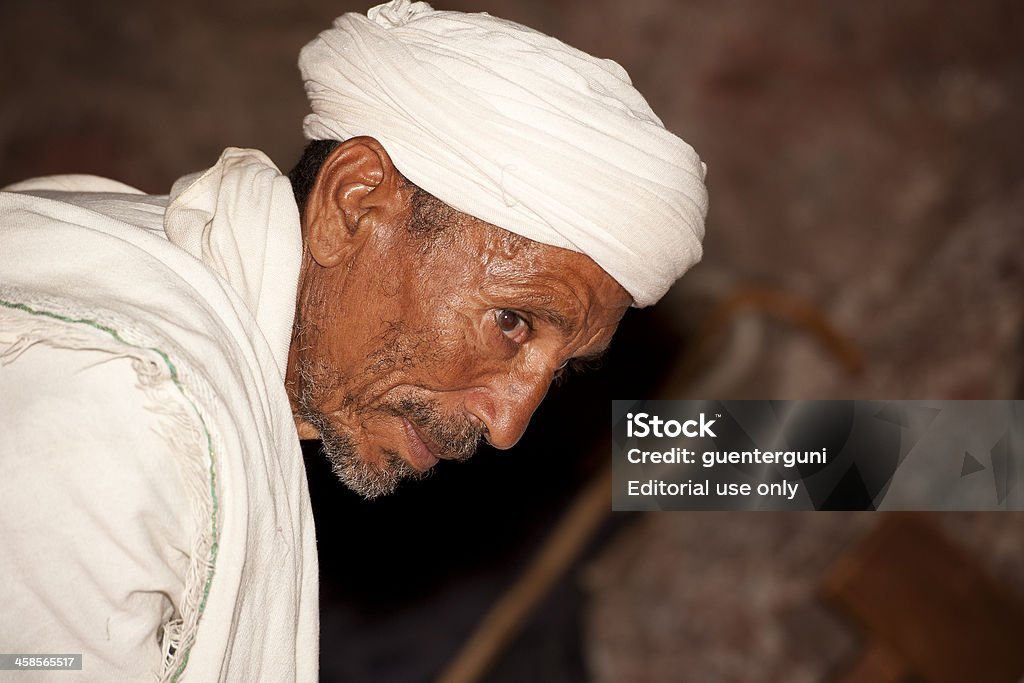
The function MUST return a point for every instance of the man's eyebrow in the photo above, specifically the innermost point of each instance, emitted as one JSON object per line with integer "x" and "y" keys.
{"x": 567, "y": 326}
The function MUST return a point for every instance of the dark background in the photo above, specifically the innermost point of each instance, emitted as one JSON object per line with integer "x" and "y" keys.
{"x": 866, "y": 240}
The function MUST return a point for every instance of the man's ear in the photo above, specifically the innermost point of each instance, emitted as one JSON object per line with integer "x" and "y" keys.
{"x": 357, "y": 187}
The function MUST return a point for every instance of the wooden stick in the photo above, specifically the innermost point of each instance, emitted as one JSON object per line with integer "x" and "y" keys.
{"x": 507, "y": 616}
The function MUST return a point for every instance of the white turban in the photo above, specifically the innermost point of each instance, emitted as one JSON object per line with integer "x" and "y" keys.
{"x": 517, "y": 129}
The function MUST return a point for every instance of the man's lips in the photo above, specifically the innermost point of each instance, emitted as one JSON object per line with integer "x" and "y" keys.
{"x": 420, "y": 454}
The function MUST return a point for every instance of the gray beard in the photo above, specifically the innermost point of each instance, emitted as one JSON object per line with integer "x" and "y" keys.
{"x": 369, "y": 480}
{"x": 458, "y": 438}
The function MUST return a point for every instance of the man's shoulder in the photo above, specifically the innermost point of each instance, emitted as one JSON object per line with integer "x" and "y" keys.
{"x": 84, "y": 200}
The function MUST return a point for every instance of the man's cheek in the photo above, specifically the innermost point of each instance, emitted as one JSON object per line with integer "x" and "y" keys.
{"x": 459, "y": 362}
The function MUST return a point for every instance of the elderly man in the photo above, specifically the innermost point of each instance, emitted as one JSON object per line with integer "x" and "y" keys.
{"x": 477, "y": 207}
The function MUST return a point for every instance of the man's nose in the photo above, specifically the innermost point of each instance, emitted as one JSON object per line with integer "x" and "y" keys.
{"x": 506, "y": 405}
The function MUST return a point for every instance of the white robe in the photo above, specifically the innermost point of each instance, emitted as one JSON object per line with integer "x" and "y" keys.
{"x": 154, "y": 513}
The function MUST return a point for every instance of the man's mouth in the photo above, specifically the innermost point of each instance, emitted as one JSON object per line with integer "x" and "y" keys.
{"x": 421, "y": 455}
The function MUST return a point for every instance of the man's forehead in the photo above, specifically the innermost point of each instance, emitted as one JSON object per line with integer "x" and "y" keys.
{"x": 565, "y": 288}
{"x": 559, "y": 280}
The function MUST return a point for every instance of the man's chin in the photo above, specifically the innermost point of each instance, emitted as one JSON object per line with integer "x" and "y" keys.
{"x": 366, "y": 477}
{"x": 371, "y": 479}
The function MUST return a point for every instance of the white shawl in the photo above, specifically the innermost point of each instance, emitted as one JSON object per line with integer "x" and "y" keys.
{"x": 179, "y": 321}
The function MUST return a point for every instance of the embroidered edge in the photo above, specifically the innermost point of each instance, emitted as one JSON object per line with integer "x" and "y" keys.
{"x": 179, "y": 634}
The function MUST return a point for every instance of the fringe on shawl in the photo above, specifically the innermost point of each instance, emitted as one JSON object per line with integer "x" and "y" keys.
{"x": 174, "y": 394}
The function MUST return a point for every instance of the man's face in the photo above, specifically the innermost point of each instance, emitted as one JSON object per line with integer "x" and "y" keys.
{"x": 429, "y": 337}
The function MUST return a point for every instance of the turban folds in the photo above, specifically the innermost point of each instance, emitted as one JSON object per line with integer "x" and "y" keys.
{"x": 517, "y": 129}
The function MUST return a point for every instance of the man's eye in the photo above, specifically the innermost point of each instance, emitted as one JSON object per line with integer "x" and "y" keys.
{"x": 510, "y": 323}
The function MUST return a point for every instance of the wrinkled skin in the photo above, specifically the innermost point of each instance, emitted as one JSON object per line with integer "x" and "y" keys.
{"x": 410, "y": 347}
